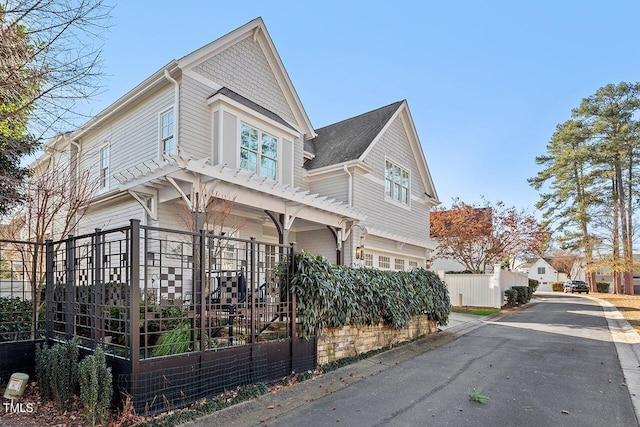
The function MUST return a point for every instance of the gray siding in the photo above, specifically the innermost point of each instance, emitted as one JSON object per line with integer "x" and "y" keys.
{"x": 111, "y": 215}
{"x": 244, "y": 69}
{"x": 230, "y": 139}
{"x": 369, "y": 194}
{"x": 318, "y": 242}
{"x": 298, "y": 157}
{"x": 132, "y": 136}
{"x": 195, "y": 119}
{"x": 287, "y": 162}
{"x": 335, "y": 187}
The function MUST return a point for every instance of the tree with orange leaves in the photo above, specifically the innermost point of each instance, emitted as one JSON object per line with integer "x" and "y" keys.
{"x": 478, "y": 237}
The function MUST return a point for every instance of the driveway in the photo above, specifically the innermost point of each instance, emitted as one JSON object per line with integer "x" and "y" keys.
{"x": 554, "y": 363}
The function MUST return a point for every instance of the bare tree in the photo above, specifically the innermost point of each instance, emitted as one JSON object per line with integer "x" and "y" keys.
{"x": 49, "y": 62}
{"x": 57, "y": 197}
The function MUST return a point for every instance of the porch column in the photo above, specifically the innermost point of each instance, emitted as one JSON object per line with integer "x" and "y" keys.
{"x": 337, "y": 232}
{"x": 283, "y": 224}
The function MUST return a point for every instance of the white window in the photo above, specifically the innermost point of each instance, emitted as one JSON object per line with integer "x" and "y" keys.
{"x": 104, "y": 167}
{"x": 258, "y": 152}
{"x": 396, "y": 183}
{"x": 384, "y": 262}
{"x": 542, "y": 270}
{"x": 368, "y": 260}
{"x": 167, "y": 140}
{"x": 413, "y": 265}
{"x": 399, "y": 264}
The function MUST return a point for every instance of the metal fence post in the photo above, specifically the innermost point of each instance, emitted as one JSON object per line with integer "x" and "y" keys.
{"x": 70, "y": 318}
{"x": 199, "y": 293}
{"x": 253, "y": 283}
{"x": 292, "y": 295}
{"x": 98, "y": 288}
{"x": 49, "y": 288}
{"x": 134, "y": 294}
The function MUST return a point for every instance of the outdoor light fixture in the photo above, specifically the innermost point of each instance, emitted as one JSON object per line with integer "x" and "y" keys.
{"x": 360, "y": 252}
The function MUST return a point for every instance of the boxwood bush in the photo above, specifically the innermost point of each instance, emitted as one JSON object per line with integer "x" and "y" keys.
{"x": 334, "y": 295}
{"x": 602, "y": 287}
{"x": 557, "y": 286}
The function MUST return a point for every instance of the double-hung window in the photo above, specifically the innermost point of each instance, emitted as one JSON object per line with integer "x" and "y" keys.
{"x": 104, "y": 167}
{"x": 258, "y": 152}
{"x": 167, "y": 140}
{"x": 396, "y": 183}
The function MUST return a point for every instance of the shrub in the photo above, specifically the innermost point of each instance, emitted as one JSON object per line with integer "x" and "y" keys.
{"x": 15, "y": 319}
{"x": 557, "y": 286}
{"x": 533, "y": 285}
{"x": 175, "y": 341}
{"x": 512, "y": 297}
{"x": 335, "y": 295}
{"x": 57, "y": 372}
{"x": 523, "y": 294}
{"x": 602, "y": 287}
{"x": 96, "y": 387}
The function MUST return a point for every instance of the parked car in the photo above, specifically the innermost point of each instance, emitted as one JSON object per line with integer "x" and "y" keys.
{"x": 575, "y": 286}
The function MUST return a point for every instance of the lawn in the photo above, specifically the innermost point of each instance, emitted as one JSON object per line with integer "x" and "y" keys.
{"x": 627, "y": 305}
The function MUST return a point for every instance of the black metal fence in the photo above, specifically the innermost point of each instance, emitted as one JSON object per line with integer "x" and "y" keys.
{"x": 180, "y": 315}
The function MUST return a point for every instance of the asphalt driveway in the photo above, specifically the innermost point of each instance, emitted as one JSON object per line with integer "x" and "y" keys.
{"x": 554, "y": 363}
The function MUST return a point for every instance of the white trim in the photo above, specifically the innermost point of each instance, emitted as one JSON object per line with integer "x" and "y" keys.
{"x": 221, "y": 99}
{"x": 261, "y": 132}
{"x": 402, "y": 168}
{"x": 161, "y": 113}
{"x": 104, "y": 188}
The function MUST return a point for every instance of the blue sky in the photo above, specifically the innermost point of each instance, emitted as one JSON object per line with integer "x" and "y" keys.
{"x": 486, "y": 81}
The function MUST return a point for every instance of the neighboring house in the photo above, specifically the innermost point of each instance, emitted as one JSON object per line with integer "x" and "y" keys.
{"x": 541, "y": 270}
{"x": 226, "y": 121}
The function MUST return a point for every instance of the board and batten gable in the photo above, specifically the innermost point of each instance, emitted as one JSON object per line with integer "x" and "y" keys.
{"x": 412, "y": 220}
{"x": 132, "y": 136}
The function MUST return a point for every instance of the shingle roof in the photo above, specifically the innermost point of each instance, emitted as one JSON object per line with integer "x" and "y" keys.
{"x": 348, "y": 139}
{"x": 256, "y": 107}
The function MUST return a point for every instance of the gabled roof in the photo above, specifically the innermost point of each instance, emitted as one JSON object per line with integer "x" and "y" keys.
{"x": 255, "y": 107}
{"x": 258, "y": 31}
{"x": 349, "y": 139}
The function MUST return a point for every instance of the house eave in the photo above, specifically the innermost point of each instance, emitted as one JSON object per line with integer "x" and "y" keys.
{"x": 353, "y": 166}
{"x": 137, "y": 92}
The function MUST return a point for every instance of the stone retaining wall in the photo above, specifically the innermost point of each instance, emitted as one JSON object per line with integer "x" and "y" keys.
{"x": 350, "y": 341}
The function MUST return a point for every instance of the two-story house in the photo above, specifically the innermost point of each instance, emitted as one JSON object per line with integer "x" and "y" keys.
{"x": 225, "y": 122}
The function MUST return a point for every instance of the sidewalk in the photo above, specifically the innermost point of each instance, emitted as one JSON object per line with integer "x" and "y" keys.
{"x": 262, "y": 409}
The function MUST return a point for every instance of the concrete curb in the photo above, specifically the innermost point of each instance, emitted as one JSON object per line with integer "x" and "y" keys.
{"x": 627, "y": 342}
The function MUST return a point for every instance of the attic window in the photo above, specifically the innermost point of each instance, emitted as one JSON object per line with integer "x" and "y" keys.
{"x": 258, "y": 152}
{"x": 396, "y": 183}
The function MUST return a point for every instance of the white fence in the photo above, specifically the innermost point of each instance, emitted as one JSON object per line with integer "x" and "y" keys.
{"x": 482, "y": 290}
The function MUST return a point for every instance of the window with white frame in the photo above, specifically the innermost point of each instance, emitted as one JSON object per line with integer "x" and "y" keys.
{"x": 396, "y": 183}
{"x": 542, "y": 270}
{"x": 104, "y": 166}
{"x": 413, "y": 265}
{"x": 399, "y": 264}
{"x": 167, "y": 140}
{"x": 368, "y": 260}
{"x": 384, "y": 262}
{"x": 258, "y": 151}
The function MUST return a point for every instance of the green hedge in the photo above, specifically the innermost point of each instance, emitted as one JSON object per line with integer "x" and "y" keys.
{"x": 334, "y": 295}
{"x": 557, "y": 286}
{"x": 602, "y": 287}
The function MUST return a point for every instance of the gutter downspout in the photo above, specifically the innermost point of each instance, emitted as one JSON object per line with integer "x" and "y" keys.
{"x": 176, "y": 108}
{"x": 349, "y": 186}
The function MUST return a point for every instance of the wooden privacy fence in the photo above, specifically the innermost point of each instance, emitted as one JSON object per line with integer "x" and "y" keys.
{"x": 482, "y": 290}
